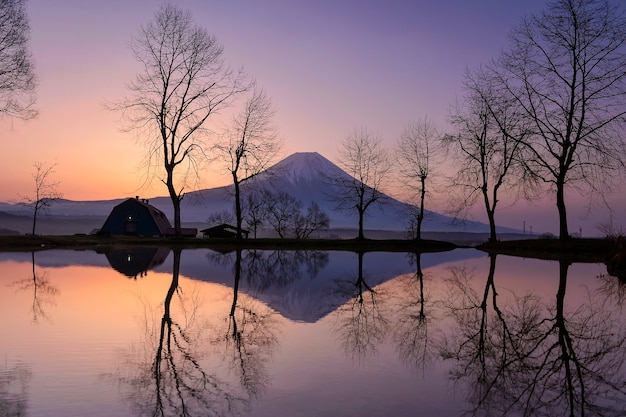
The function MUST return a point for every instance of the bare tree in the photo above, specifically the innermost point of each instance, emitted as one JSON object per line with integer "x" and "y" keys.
{"x": 566, "y": 71}
{"x": 253, "y": 207}
{"x": 46, "y": 191}
{"x": 486, "y": 146}
{"x": 251, "y": 146}
{"x": 282, "y": 209}
{"x": 414, "y": 153}
{"x": 183, "y": 83}
{"x": 17, "y": 77}
{"x": 314, "y": 219}
{"x": 363, "y": 156}
{"x": 220, "y": 217}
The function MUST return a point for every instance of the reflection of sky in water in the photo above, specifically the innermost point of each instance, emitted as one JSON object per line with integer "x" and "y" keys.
{"x": 85, "y": 332}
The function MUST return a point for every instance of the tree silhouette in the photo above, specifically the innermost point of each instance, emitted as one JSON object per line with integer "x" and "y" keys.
{"x": 415, "y": 154}
{"x": 564, "y": 70}
{"x": 250, "y": 147}
{"x": 17, "y": 75}
{"x": 46, "y": 191}
{"x": 183, "y": 84}
{"x": 486, "y": 147}
{"x": 363, "y": 157}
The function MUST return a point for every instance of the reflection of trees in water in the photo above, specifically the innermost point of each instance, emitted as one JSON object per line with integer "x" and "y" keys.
{"x": 533, "y": 357}
{"x": 410, "y": 332}
{"x": 262, "y": 269}
{"x": 14, "y": 384}
{"x": 166, "y": 374}
{"x": 361, "y": 324}
{"x": 250, "y": 338}
{"x": 42, "y": 289}
{"x": 176, "y": 371}
{"x": 612, "y": 288}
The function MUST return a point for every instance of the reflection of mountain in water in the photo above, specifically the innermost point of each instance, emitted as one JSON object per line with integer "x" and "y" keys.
{"x": 136, "y": 261}
{"x": 300, "y": 292}
{"x": 305, "y": 288}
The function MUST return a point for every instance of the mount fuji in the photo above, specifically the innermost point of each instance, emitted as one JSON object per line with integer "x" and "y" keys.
{"x": 304, "y": 176}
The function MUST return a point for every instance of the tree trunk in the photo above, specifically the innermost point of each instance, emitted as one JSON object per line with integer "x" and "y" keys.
{"x": 175, "y": 201}
{"x": 560, "y": 204}
{"x": 420, "y": 216}
{"x": 35, "y": 216}
{"x": 492, "y": 225}
{"x": 361, "y": 215}
{"x": 491, "y": 213}
{"x": 238, "y": 214}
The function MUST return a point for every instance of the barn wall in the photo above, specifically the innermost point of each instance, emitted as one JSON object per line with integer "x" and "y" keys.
{"x": 117, "y": 221}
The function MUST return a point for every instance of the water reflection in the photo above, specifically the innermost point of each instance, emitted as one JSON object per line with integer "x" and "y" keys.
{"x": 532, "y": 356}
{"x": 358, "y": 334}
{"x": 360, "y": 323}
{"x": 14, "y": 385}
{"x": 410, "y": 332}
{"x": 133, "y": 261}
{"x": 250, "y": 338}
{"x": 263, "y": 270}
{"x": 174, "y": 369}
{"x": 43, "y": 291}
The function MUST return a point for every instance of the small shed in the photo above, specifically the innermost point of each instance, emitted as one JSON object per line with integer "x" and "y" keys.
{"x": 136, "y": 217}
{"x": 223, "y": 231}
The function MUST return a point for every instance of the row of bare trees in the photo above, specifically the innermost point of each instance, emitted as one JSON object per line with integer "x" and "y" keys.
{"x": 184, "y": 84}
{"x": 545, "y": 117}
{"x": 281, "y": 212}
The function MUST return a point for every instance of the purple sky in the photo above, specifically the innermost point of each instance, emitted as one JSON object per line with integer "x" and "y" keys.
{"x": 329, "y": 67}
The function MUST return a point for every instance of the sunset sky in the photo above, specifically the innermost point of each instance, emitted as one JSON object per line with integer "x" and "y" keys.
{"x": 329, "y": 67}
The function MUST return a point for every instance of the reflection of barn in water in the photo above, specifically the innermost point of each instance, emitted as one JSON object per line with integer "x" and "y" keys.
{"x": 134, "y": 262}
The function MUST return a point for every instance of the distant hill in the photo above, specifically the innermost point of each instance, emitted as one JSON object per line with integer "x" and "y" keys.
{"x": 303, "y": 175}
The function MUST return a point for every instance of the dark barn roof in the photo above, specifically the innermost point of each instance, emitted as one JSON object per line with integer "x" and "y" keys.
{"x": 136, "y": 217}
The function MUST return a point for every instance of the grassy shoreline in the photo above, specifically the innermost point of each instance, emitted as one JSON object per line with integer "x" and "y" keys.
{"x": 578, "y": 249}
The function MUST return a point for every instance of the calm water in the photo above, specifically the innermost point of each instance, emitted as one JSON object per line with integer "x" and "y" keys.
{"x": 198, "y": 333}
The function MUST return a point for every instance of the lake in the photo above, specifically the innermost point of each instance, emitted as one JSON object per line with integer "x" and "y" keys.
{"x": 155, "y": 332}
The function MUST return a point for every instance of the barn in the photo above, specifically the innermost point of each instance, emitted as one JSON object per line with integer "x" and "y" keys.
{"x": 136, "y": 217}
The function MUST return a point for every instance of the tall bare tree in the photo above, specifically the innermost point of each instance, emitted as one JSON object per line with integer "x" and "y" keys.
{"x": 251, "y": 146}
{"x": 46, "y": 191}
{"x": 486, "y": 146}
{"x": 183, "y": 83}
{"x": 362, "y": 155}
{"x": 566, "y": 70}
{"x": 414, "y": 153}
{"x": 17, "y": 76}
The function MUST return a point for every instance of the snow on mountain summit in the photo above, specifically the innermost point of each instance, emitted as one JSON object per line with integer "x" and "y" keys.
{"x": 303, "y": 168}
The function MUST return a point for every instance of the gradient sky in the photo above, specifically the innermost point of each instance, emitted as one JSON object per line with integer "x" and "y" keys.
{"x": 329, "y": 67}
